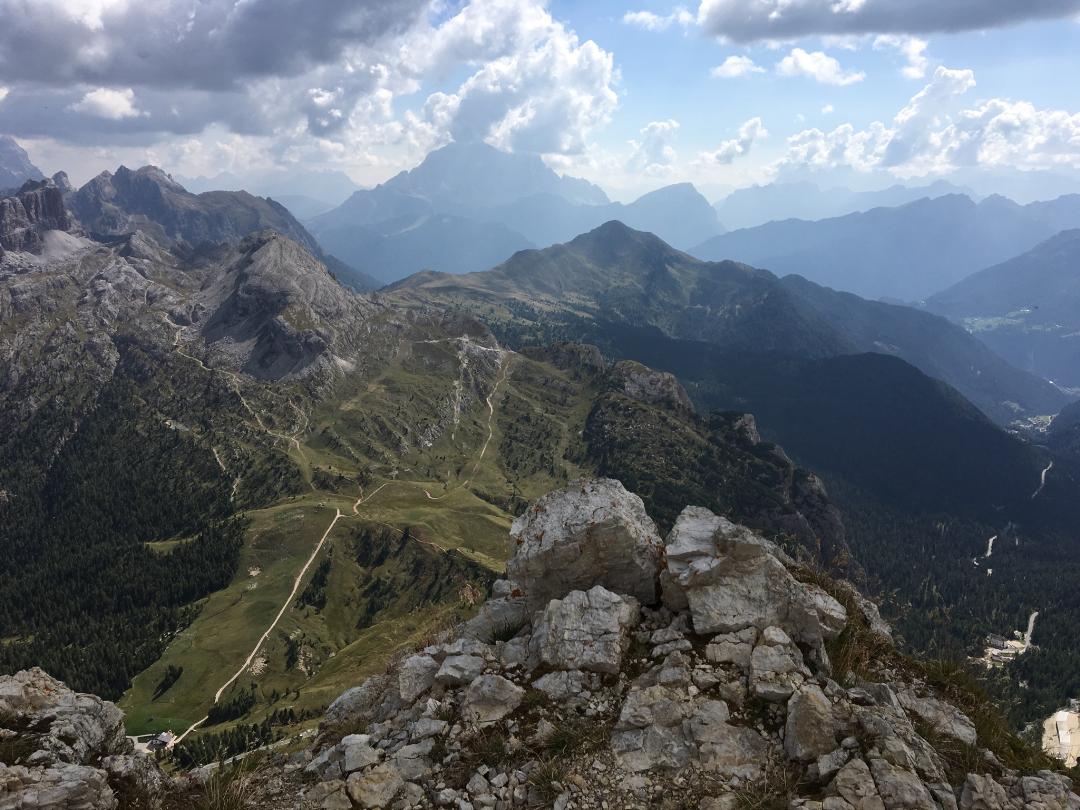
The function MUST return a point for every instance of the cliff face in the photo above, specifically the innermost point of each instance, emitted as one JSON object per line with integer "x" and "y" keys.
{"x": 25, "y": 217}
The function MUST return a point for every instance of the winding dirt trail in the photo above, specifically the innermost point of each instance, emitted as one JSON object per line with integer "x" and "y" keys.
{"x": 360, "y": 501}
{"x": 266, "y": 634}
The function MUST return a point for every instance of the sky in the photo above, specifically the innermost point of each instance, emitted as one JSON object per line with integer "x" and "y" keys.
{"x": 721, "y": 93}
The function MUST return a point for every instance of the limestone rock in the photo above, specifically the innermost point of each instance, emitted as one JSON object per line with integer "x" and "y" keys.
{"x": 732, "y": 648}
{"x": 855, "y": 785}
{"x": 593, "y": 532}
{"x": 80, "y": 727}
{"x": 652, "y": 387}
{"x": 726, "y": 749}
{"x": 810, "y": 731}
{"x": 358, "y": 707}
{"x": 416, "y": 676}
{"x": 982, "y": 793}
{"x": 661, "y": 728}
{"x": 458, "y": 670}
{"x": 376, "y": 787}
{"x": 490, "y": 698}
{"x": 732, "y": 579}
{"x": 585, "y": 631}
{"x": 900, "y": 789}
{"x": 945, "y": 719}
{"x": 67, "y": 786}
{"x": 776, "y": 666}
{"x": 566, "y": 688}
{"x": 358, "y": 753}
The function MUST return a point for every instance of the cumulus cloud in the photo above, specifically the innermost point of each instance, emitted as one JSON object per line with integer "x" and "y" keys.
{"x": 654, "y": 153}
{"x": 649, "y": 21}
{"x": 828, "y": 109}
{"x": 749, "y": 133}
{"x": 319, "y": 80}
{"x": 735, "y": 66}
{"x": 818, "y": 66}
{"x": 741, "y": 21}
{"x": 934, "y": 134}
{"x": 3, "y": 92}
{"x": 105, "y": 102}
{"x": 540, "y": 90}
{"x": 912, "y": 49}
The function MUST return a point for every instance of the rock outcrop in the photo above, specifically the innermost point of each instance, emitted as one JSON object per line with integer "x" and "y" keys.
{"x": 25, "y": 217}
{"x": 592, "y": 533}
{"x": 581, "y": 684}
{"x": 63, "y": 749}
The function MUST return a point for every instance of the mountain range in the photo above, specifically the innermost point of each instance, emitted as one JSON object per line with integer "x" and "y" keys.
{"x": 756, "y": 205}
{"x": 1027, "y": 309}
{"x": 467, "y": 206}
{"x": 204, "y": 431}
{"x": 635, "y": 282}
{"x": 325, "y": 187}
{"x": 906, "y": 253}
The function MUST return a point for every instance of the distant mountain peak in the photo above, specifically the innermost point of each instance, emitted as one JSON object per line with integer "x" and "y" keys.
{"x": 474, "y": 173}
{"x": 15, "y": 165}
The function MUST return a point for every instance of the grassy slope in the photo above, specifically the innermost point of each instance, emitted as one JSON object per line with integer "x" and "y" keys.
{"x": 358, "y": 437}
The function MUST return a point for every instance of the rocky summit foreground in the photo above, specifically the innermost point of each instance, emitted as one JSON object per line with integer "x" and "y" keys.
{"x": 611, "y": 669}
{"x": 615, "y": 669}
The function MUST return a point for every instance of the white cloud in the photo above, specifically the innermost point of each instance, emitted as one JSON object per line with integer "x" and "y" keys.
{"x": 818, "y": 66}
{"x": 3, "y": 92}
{"x": 759, "y": 20}
{"x": 653, "y": 154}
{"x": 105, "y": 102}
{"x": 912, "y": 49}
{"x": 540, "y": 89}
{"x": 650, "y": 21}
{"x": 749, "y": 133}
{"x": 735, "y": 66}
{"x": 828, "y": 109}
{"x": 933, "y": 134}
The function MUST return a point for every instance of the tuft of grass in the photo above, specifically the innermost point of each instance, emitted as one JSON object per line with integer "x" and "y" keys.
{"x": 546, "y": 779}
{"x": 229, "y": 787}
{"x": 577, "y": 735}
{"x": 958, "y": 758}
{"x": 479, "y": 746}
{"x": 773, "y": 791}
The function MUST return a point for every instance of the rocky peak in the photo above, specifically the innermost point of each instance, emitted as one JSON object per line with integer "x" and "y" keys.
{"x": 651, "y": 387}
{"x": 582, "y": 684}
{"x": 149, "y": 200}
{"x": 276, "y": 311}
{"x": 25, "y": 217}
